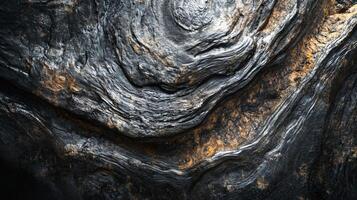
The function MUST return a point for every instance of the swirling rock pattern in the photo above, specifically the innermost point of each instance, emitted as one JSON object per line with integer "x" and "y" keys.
{"x": 147, "y": 68}
{"x": 181, "y": 99}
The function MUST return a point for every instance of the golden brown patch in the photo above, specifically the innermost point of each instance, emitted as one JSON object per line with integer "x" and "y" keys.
{"x": 354, "y": 152}
{"x": 57, "y": 82}
{"x": 110, "y": 124}
{"x": 279, "y": 13}
{"x": 233, "y": 122}
{"x": 262, "y": 183}
{"x": 72, "y": 85}
{"x": 71, "y": 150}
{"x": 302, "y": 58}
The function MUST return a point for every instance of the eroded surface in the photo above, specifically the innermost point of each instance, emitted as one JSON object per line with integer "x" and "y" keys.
{"x": 277, "y": 120}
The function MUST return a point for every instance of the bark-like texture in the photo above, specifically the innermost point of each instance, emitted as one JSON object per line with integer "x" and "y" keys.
{"x": 181, "y": 99}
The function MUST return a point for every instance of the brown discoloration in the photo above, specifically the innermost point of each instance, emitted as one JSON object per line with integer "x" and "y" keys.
{"x": 234, "y": 122}
{"x": 231, "y": 125}
{"x": 57, "y": 82}
{"x": 72, "y": 85}
{"x": 279, "y": 13}
{"x": 71, "y": 150}
{"x": 136, "y": 48}
{"x": 354, "y": 152}
{"x": 303, "y": 172}
{"x": 110, "y": 124}
{"x": 302, "y": 58}
{"x": 262, "y": 184}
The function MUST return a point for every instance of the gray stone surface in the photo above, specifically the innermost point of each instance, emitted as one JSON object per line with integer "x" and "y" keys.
{"x": 181, "y": 99}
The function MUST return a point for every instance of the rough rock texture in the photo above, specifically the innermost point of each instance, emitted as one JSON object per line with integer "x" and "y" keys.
{"x": 181, "y": 99}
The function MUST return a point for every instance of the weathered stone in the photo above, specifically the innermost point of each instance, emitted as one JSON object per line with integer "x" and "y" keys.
{"x": 181, "y": 99}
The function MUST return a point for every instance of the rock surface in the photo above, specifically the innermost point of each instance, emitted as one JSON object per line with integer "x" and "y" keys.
{"x": 181, "y": 99}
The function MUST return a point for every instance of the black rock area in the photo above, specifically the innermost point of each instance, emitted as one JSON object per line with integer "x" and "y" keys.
{"x": 178, "y": 99}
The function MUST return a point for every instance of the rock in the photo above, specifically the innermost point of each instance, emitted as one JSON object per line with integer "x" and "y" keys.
{"x": 181, "y": 99}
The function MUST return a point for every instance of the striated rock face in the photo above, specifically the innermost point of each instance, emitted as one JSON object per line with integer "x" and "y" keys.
{"x": 181, "y": 99}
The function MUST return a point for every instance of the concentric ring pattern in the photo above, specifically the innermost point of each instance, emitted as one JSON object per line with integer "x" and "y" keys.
{"x": 152, "y": 68}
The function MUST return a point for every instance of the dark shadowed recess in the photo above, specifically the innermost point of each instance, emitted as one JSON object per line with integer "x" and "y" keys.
{"x": 17, "y": 183}
{"x": 22, "y": 176}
